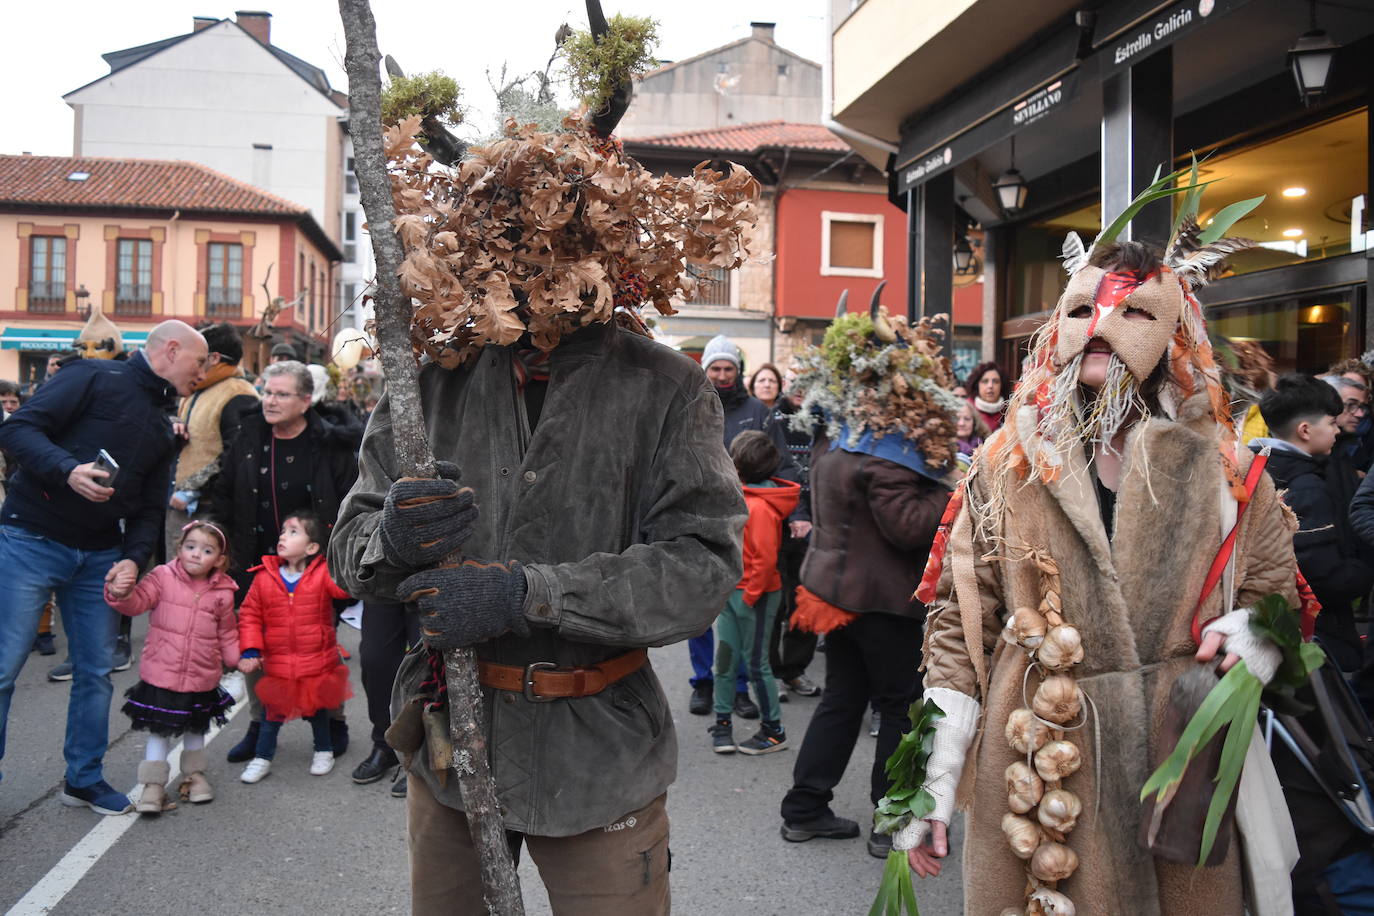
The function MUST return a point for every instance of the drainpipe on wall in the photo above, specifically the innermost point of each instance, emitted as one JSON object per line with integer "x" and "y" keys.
{"x": 828, "y": 93}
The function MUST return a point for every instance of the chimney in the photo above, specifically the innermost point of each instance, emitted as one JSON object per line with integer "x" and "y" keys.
{"x": 255, "y": 23}
{"x": 763, "y": 31}
{"x": 202, "y": 22}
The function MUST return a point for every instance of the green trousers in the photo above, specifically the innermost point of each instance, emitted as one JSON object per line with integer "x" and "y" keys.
{"x": 742, "y": 632}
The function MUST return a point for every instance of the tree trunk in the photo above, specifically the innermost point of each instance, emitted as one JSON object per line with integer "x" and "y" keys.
{"x": 500, "y": 885}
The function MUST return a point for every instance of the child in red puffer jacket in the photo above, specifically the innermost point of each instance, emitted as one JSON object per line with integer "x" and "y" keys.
{"x": 286, "y": 627}
{"x": 191, "y": 637}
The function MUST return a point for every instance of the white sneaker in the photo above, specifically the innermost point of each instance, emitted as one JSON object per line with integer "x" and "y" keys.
{"x": 257, "y": 768}
{"x": 321, "y": 763}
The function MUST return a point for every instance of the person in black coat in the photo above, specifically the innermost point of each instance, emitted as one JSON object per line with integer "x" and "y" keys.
{"x": 1301, "y": 414}
{"x": 287, "y": 457}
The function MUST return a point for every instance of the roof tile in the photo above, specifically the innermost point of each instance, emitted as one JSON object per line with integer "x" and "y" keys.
{"x": 748, "y": 138}
{"x": 132, "y": 183}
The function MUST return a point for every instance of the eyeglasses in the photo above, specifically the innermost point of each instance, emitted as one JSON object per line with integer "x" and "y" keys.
{"x": 1356, "y": 407}
{"x": 280, "y": 395}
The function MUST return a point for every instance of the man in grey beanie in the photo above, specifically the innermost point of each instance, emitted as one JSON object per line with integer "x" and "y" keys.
{"x": 723, "y": 363}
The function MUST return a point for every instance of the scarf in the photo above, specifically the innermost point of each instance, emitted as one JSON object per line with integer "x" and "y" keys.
{"x": 216, "y": 374}
{"x": 996, "y": 406}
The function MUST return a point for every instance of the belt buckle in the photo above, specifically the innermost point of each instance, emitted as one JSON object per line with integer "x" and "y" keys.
{"x": 527, "y": 686}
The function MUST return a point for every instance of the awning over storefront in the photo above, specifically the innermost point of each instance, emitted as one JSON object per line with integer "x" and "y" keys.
{"x": 57, "y": 339}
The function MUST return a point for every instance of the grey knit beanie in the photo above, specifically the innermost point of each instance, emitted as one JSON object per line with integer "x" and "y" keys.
{"x": 720, "y": 348}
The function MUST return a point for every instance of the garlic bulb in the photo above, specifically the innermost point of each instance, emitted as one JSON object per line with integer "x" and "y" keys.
{"x": 1045, "y": 902}
{"x": 1024, "y": 733}
{"x": 1057, "y": 700}
{"x": 1058, "y": 760}
{"x": 1024, "y": 787}
{"x": 1023, "y": 834}
{"x": 1059, "y": 810}
{"x": 1012, "y": 911}
{"x": 1053, "y": 861}
{"x": 1061, "y": 649}
{"x": 1026, "y": 628}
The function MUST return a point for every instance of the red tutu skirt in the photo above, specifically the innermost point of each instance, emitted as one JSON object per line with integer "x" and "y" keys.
{"x": 285, "y": 699}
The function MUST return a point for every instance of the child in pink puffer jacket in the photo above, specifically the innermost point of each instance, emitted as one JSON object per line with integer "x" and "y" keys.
{"x": 192, "y": 635}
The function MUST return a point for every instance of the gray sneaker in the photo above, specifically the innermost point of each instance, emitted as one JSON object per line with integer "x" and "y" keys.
{"x": 123, "y": 654}
{"x": 803, "y": 686}
{"x": 62, "y": 672}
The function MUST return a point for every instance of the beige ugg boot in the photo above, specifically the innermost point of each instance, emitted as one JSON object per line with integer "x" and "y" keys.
{"x": 195, "y": 788}
{"x": 153, "y": 774}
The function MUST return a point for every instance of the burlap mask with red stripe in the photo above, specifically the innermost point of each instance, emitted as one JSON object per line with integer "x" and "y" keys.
{"x": 1141, "y": 339}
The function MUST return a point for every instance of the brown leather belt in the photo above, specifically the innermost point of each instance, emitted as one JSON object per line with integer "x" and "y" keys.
{"x": 543, "y": 682}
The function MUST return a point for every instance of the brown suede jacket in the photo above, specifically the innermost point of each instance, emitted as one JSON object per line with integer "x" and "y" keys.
{"x": 874, "y": 525}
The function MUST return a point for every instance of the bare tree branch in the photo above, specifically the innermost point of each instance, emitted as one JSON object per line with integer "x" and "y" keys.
{"x": 500, "y": 885}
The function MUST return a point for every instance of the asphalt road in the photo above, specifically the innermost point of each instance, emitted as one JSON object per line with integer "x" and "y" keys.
{"x": 297, "y": 843}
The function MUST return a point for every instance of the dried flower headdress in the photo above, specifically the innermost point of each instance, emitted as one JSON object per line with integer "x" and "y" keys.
{"x": 876, "y": 376}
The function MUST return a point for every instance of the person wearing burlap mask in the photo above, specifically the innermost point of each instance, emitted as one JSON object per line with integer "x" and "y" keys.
{"x": 1104, "y": 499}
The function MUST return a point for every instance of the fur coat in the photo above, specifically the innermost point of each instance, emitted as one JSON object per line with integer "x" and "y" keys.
{"x": 1132, "y": 597}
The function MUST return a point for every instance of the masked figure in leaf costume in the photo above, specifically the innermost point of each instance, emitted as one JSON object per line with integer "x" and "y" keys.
{"x": 881, "y": 474}
{"x": 585, "y": 482}
{"x": 1065, "y": 586}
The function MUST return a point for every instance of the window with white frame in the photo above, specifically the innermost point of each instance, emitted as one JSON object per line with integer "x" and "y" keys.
{"x": 851, "y": 244}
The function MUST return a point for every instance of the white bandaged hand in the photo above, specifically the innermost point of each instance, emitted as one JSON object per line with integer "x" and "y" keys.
{"x": 953, "y": 734}
{"x": 1260, "y": 655}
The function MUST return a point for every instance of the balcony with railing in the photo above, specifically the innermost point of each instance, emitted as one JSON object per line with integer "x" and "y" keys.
{"x": 48, "y": 297}
{"x": 134, "y": 299}
{"x": 224, "y": 302}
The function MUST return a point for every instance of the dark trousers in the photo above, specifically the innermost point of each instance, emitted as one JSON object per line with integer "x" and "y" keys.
{"x": 387, "y": 631}
{"x": 268, "y": 731}
{"x": 874, "y": 658}
{"x": 789, "y": 650}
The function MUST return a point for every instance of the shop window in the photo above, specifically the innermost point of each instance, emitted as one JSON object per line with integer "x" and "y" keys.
{"x": 47, "y": 273}
{"x": 1037, "y": 268}
{"x": 1302, "y": 333}
{"x": 224, "y": 297}
{"x": 1313, "y": 183}
{"x": 851, "y": 244}
{"x": 134, "y": 277}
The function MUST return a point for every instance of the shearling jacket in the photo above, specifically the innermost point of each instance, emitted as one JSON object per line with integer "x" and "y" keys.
{"x": 1132, "y": 596}
{"x": 627, "y": 516}
{"x": 874, "y": 523}
{"x": 192, "y": 632}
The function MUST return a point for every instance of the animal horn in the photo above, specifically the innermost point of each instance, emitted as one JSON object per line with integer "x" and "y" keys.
{"x": 843, "y": 304}
{"x": 393, "y": 69}
{"x": 874, "y": 302}
{"x": 604, "y": 121}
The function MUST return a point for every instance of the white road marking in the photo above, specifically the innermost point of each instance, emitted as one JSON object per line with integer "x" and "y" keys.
{"x": 81, "y": 858}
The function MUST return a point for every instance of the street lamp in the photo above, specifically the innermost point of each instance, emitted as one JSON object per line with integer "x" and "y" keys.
{"x": 1310, "y": 59}
{"x": 1011, "y": 187}
{"x": 83, "y": 306}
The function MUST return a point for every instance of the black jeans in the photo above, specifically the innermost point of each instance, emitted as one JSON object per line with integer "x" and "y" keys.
{"x": 387, "y": 631}
{"x": 789, "y": 650}
{"x": 874, "y": 658}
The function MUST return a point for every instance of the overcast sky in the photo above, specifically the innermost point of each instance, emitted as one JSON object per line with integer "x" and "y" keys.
{"x": 47, "y": 50}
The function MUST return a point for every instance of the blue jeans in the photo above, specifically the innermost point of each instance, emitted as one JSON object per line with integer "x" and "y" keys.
{"x": 702, "y": 650}
{"x": 268, "y": 731}
{"x": 35, "y": 566}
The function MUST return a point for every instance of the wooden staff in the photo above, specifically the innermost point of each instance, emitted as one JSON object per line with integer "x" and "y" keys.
{"x": 500, "y": 885}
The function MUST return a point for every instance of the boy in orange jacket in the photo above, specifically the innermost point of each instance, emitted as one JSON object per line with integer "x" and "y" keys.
{"x": 742, "y": 628}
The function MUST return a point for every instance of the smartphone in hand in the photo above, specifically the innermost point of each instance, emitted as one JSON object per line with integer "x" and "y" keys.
{"x": 104, "y": 462}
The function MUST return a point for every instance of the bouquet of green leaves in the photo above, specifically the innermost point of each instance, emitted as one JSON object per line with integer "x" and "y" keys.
{"x": 906, "y": 801}
{"x": 1233, "y": 704}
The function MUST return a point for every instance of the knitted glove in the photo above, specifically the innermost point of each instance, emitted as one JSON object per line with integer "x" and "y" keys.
{"x": 1260, "y": 655}
{"x": 953, "y": 735}
{"x": 425, "y": 519}
{"x": 467, "y": 603}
